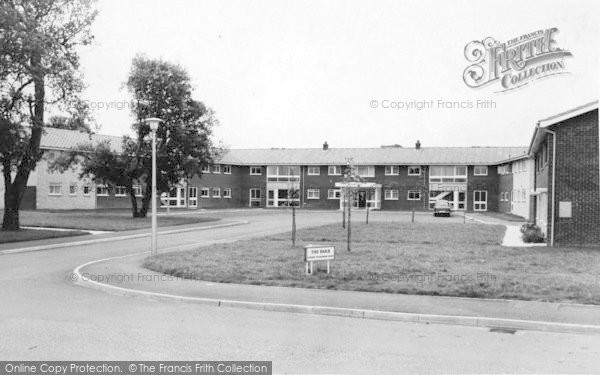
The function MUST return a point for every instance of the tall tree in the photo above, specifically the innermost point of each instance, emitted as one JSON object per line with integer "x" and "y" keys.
{"x": 38, "y": 66}
{"x": 159, "y": 89}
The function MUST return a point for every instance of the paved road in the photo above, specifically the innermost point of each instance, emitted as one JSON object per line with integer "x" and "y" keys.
{"x": 44, "y": 316}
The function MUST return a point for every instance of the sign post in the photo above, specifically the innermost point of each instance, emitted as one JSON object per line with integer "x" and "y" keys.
{"x": 314, "y": 253}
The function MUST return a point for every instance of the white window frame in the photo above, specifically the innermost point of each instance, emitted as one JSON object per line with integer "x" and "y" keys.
{"x": 216, "y": 168}
{"x": 313, "y": 194}
{"x": 408, "y": 193}
{"x": 217, "y": 190}
{"x": 413, "y": 167}
{"x": 205, "y": 169}
{"x": 479, "y": 205}
{"x": 227, "y": 193}
{"x": 54, "y": 185}
{"x": 392, "y": 170}
{"x": 444, "y": 178}
{"x": 253, "y": 197}
{"x": 391, "y": 194}
{"x": 370, "y": 170}
{"x": 334, "y": 193}
{"x": 310, "y": 170}
{"x": 480, "y": 174}
{"x": 253, "y": 171}
{"x": 74, "y": 192}
{"x": 193, "y": 197}
{"x": 119, "y": 194}
{"x": 102, "y": 187}
{"x": 227, "y": 169}
{"x": 137, "y": 190}
{"x": 337, "y": 170}
{"x": 204, "y": 192}
{"x": 89, "y": 189}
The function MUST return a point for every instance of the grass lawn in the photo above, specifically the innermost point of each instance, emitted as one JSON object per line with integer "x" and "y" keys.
{"x": 34, "y": 234}
{"x": 103, "y": 220}
{"x": 412, "y": 258}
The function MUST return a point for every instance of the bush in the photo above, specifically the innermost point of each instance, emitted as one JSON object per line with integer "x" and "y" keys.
{"x": 532, "y": 233}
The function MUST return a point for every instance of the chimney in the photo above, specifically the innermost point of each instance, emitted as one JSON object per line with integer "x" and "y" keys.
{"x": 325, "y": 146}
{"x": 418, "y": 145}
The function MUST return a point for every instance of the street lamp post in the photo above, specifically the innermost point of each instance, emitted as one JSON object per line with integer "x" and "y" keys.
{"x": 153, "y": 123}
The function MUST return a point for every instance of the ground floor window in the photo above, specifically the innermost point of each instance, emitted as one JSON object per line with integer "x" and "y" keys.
{"x": 216, "y": 192}
{"x": 313, "y": 194}
{"x": 73, "y": 189}
{"x": 414, "y": 195}
{"x": 457, "y": 199}
{"x": 193, "y": 197}
{"x": 176, "y": 197}
{"x": 227, "y": 193}
{"x": 102, "y": 191}
{"x": 255, "y": 197}
{"x": 204, "y": 193}
{"x": 86, "y": 190}
{"x": 281, "y": 198}
{"x": 390, "y": 194}
{"x": 334, "y": 194}
{"x": 120, "y": 191}
{"x": 480, "y": 200}
{"x": 55, "y": 189}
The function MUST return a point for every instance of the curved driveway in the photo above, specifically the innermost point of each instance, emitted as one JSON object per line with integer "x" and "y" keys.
{"x": 45, "y": 316}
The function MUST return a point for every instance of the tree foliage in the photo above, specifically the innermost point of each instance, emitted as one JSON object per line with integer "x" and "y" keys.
{"x": 38, "y": 67}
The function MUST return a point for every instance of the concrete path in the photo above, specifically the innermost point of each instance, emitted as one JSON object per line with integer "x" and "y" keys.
{"x": 512, "y": 237}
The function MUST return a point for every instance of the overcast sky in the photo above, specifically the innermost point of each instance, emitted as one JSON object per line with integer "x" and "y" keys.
{"x": 297, "y": 73}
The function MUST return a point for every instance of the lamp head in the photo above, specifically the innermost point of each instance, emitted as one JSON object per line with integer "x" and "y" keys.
{"x": 153, "y": 123}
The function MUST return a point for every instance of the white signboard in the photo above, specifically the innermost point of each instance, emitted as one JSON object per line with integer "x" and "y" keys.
{"x": 565, "y": 209}
{"x": 314, "y": 253}
{"x": 447, "y": 187}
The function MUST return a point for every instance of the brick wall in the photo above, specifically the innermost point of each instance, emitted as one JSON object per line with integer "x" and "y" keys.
{"x": 489, "y": 183}
{"x": 577, "y": 179}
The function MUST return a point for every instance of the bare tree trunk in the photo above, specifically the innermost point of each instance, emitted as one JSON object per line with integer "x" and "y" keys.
{"x": 293, "y": 226}
{"x": 349, "y": 223}
{"x": 134, "y": 205}
{"x": 146, "y": 199}
{"x": 344, "y": 211}
{"x": 368, "y": 206}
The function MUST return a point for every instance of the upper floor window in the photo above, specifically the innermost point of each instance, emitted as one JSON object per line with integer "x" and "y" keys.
{"x": 334, "y": 170}
{"x": 414, "y": 171}
{"x": 439, "y": 173}
{"x": 206, "y": 169}
{"x": 314, "y": 171}
{"x": 365, "y": 171}
{"x": 227, "y": 169}
{"x": 392, "y": 170}
{"x": 256, "y": 171}
{"x": 102, "y": 190}
{"x": 216, "y": 168}
{"x": 283, "y": 173}
{"x": 480, "y": 170}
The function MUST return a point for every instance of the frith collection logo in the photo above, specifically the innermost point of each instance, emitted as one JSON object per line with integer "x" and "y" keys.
{"x": 515, "y": 63}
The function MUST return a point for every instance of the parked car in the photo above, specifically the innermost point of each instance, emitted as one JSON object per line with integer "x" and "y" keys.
{"x": 442, "y": 208}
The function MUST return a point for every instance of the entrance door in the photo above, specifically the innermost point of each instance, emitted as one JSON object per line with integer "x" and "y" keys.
{"x": 193, "y": 197}
{"x": 362, "y": 199}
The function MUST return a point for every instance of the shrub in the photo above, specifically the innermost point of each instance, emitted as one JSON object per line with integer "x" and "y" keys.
{"x": 532, "y": 233}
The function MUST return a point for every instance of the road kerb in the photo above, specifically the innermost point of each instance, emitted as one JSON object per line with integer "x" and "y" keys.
{"x": 119, "y": 238}
{"x": 471, "y": 321}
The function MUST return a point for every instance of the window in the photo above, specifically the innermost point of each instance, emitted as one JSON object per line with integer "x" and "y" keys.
{"x": 193, "y": 196}
{"x": 216, "y": 168}
{"x": 73, "y": 189}
{"x": 414, "y": 195}
{"x": 392, "y": 170}
{"x": 256, "y": 171}
{"x": 86, "y": 190}
{"x": 365, "y": 171}
{"x": 414, "y": 171}
{"x": 137, "y": 190}
{"x": 480, "y": 200}
{"x": 120, "y": 191}
{"x": 480, "y": 170}
{"x": 55, "y": 189}
{"x": 283, "y": 173}
{"x": 334, "y": 170}
{"x": 391, "y": 195}
{"x": 102, "y": 191}
{"x": 255, "y": 198}
{"x": 334, "y": 193}
{"x": 227, "y": 193}
{"x": 204, "y": 193}
{"x": 227, "y": 169}
{"x": 313, "y": 194}
{"x": 216, "y": 192}
{"x": 206, "y": 169}
{"x": 314, "y": 171}
{"x": 438, "y": 173}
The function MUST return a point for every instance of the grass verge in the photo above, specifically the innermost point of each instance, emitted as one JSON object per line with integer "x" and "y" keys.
{"x": 464, "y": 260}
{"x": 35, "y": 234}
{"x": 102, "y": 220}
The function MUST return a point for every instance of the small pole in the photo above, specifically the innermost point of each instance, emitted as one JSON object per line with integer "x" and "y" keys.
{"x": 293, "y": 225}
{"x": 368, "y": 206}
{"x": 311, "y": 267}
{"x": 349, "y": 223}
{"x": 413, "y": 214}
{"x": 306, "y": 264}
{"x": 343, "y": 199}
{"x": 328, "y": 267}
